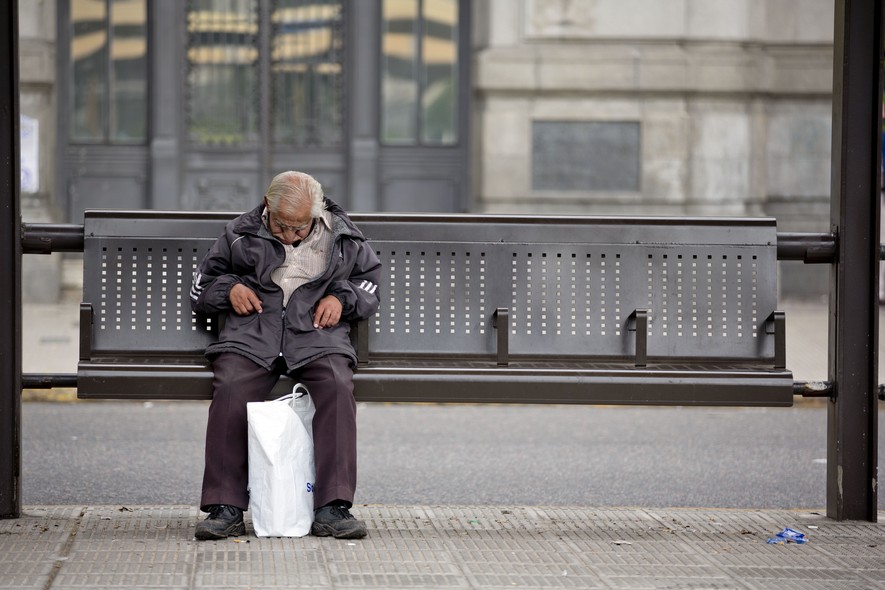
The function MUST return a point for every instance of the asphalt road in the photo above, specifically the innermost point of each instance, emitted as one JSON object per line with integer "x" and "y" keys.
{"x": 135, "y": 453}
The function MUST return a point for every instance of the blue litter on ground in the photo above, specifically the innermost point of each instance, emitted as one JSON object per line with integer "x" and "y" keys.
{"x": 788, "y": 536}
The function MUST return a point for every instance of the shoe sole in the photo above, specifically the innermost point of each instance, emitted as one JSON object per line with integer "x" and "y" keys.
{"x": 325, "y": 530}
{"x": 234, "y": 530}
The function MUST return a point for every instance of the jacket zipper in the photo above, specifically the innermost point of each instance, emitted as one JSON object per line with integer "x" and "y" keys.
{"x": 282, "y": 330}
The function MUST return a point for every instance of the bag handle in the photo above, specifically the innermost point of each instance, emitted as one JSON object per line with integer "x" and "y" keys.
{"x": 298, "y": 392}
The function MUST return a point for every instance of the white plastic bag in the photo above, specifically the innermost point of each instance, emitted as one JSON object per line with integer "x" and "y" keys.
{"x": 281, "y": 464}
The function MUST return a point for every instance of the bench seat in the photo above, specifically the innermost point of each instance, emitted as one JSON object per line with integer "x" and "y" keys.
{"x": 472, "y": 381}
{"x": 475, "y": 309}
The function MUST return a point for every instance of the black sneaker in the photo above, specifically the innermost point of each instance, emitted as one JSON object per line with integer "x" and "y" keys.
{"x": 223, "y": 522}
{"x": 337, "y": 521}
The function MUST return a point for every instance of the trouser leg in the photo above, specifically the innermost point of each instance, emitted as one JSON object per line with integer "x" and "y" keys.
{"x": 330, "y": 381}
{"x": 237, "y": 381}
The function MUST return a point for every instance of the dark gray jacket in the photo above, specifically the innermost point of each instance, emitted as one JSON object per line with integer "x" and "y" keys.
{"x": 247, "y": 253}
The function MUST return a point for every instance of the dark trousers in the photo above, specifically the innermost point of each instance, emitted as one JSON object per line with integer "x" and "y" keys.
{"x": 238, "y": 381}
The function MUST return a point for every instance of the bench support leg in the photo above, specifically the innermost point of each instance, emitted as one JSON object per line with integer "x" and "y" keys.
{"x": 852, "y": 429}
{"x": 10, "y": 269}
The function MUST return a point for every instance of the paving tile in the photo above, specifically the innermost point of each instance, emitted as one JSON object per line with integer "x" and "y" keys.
{"x": 71, "y": 548}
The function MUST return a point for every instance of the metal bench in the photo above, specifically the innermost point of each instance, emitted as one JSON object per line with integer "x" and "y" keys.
{"x": 479, "y": 309}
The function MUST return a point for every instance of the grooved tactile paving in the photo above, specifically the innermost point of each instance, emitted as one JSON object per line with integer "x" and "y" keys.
{"x": 53, "y": 548}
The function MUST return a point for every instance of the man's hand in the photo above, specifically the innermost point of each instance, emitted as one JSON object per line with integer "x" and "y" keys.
{"x": 328, "y": 312}
{"x": 244, "y": 300}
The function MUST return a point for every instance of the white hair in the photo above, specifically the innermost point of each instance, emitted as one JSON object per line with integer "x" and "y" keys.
{"x": 296, "y": 188}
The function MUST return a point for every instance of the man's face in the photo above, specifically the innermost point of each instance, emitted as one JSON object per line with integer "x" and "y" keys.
{"x": 290, "y": 223}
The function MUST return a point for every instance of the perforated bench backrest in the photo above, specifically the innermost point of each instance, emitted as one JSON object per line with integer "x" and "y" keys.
{"x": 570, "y": 284}
{"x": 138, "y": 268}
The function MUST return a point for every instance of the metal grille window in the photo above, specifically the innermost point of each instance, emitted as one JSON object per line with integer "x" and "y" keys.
{"x": 226, "y": 61}
{"x": 108, "y": 71}
{"x": 307, "y": 55}
{"x": 419, "y": 87}
{"x": 222, "y": 59}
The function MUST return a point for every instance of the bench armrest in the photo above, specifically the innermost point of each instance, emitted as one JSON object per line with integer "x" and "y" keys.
{"x": 638, "y": 322}
{"x": 501, "y": 322}
{"x": 777, "y": 324}
{"x": 86, "y": 315}
{"x": 359, "y": 337}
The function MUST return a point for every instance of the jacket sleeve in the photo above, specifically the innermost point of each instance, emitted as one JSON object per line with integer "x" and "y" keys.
{"x": 359, "y": 294}
{"x": 213, "y": 279}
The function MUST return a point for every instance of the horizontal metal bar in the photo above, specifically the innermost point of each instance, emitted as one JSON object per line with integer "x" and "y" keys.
{"x": 46, "y": 238}
{"x": 810, "y": 248}
{"x": 455, "y": 218}
{"x": 813, "y": 388}
{"x": 48, "y": 380}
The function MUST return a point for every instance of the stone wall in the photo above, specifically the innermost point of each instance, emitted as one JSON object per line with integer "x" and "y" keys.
{"x": 725, "y": 93}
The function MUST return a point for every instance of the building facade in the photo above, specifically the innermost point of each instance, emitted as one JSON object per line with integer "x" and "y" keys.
{"x": 674, "y": 107}
{"x": 196, "y": 104}
{"x": 645, "y": 107}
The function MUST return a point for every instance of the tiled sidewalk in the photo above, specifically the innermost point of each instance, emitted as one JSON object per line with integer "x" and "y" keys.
{"x": 445, "y": 547}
